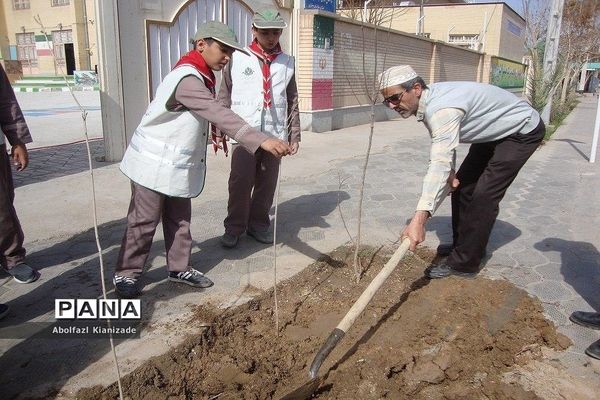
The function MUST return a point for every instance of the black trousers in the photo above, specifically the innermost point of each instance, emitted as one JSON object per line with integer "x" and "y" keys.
{"x": 485, "y": 175}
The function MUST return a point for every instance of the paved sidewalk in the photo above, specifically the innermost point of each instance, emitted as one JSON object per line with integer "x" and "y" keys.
{"x": 545, "y": 240}
{"x": 54, "y": 118}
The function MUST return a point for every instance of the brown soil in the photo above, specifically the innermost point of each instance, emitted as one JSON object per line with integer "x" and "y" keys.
{"x": 418, "y": 339}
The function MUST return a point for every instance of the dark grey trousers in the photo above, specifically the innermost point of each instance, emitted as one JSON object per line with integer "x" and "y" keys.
{"x": 485, "y": 175}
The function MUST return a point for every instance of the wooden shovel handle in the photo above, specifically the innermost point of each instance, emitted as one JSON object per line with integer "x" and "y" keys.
{"x": 357, "y": 308}
{"x": 373, "y": 287}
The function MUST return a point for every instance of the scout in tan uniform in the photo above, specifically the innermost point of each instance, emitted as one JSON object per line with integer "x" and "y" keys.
{"x": 260, "y": 87}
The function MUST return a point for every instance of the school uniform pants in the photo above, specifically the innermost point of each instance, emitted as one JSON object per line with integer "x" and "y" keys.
{"x": 146, "y": 209}
{"x": 252, "y": 184}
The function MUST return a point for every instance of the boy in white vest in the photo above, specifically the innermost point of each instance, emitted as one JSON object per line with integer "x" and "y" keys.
{"x": 261, "y": 88}
{"x": 166, "y": 159}
{"x": 503, "y": 130}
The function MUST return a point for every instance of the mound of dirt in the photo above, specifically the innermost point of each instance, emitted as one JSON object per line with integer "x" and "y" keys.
{"x": 418, "y": 339}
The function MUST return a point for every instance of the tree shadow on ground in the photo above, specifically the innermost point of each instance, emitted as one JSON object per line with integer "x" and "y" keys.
{"x": 297, "y": 218}
{"x": 40, "y": 362}
{"x": 579, "y": 265}
{"x": 47, "y": 364}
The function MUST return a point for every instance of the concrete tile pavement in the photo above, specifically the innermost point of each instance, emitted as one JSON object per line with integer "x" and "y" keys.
{"x": 545, "y": 240}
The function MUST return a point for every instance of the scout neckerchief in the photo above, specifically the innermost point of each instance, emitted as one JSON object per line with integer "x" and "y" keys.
{"x": 267, "y": 59}
{"x": 195, "y": 59}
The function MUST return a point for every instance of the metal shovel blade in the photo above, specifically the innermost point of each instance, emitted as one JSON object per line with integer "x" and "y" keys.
{"x": 307, "y": 389}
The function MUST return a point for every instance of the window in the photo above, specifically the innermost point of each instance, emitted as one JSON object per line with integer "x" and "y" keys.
{"x": 463, "y": 38}
{"x": 21, "y": 4}
{"x": 58, "y": 3}
{"x": 26, "y": 49}
{"x": 513, "y": 28}
{"x": 466, "y": 40}
{"x": 59, "y": 38}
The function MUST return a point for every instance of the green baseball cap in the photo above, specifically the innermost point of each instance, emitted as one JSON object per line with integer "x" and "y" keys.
{"x": 268, "y": 18}
{"x": 219, "y": 32}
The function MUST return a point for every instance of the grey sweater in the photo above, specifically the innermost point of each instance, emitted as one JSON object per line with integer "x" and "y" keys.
{"x": 491, "y": 113}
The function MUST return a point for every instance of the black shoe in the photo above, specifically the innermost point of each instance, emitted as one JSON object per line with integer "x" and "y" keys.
{"x": 444, "y": 250}
{"x": 126, "y": 287}
{"x": 191, "y": 277}
{"x": 3, "y": 310}
{"x": 588, "y": 319}
{"x": 23, "y": 273}
{"x": 228, "y": 240}
{"x": 265, "y": 237}
{"x": 443, "y": 271}
{"x": 594, "y": 350}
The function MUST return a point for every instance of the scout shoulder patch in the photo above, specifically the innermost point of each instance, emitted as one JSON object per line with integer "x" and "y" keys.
{"x": 248, "y": 71}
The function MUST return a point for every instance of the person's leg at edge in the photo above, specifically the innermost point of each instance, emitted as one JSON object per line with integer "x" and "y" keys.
{"x": 12, "y": 252}
{"x": 11, "y": 234}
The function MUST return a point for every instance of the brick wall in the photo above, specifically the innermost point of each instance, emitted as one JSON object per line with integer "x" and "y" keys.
{"x": 360, "y": 53}
{"x": 501, "y": 38}
{"x": 456, "y": 65}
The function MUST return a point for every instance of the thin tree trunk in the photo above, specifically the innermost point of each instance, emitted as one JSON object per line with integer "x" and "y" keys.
{"x": 565, "y": 86}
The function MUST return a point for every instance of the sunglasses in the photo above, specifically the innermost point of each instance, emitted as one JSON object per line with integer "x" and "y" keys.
{"x": 393, "y": 99}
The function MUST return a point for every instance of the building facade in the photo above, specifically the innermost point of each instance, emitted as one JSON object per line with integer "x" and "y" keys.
{"x": 492, "y": 28}
{"x": 69, "y": 41}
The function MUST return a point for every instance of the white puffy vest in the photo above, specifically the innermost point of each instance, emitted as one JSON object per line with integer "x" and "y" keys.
{"x": 247, "y": 92}
{"x": 167, "y": 152}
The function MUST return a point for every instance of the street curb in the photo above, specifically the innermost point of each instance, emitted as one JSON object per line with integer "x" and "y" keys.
{"x": 56, "y": 89}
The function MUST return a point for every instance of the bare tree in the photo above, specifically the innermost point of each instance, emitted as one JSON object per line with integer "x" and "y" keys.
{"x": 364, "y": 83}
{"x": 536, "y": 17}
{"x": 378, "y": 12}
{"x": 580, "y": 40}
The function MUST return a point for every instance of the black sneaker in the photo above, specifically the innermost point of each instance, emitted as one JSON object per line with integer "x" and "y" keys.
{"x": 126, "y": 287}
{"x": 444, "y": 270}
{"x": 23, "y": 273}
{"x": 191, "y": 277}
{"x": 3, "y": 310}
{"x": 444, "y": 250}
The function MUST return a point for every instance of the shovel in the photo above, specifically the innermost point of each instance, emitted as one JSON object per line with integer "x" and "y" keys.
{"x": 308, "y": 388}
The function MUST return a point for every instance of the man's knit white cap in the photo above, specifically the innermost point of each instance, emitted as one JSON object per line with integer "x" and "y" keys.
{"x": 396, "y": 75}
